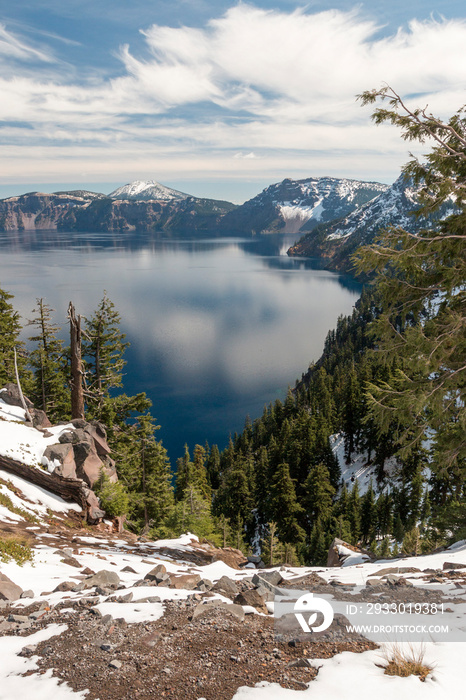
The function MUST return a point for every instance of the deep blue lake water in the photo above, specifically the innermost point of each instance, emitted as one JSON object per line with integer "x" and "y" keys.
{"x": 218, "y": 328}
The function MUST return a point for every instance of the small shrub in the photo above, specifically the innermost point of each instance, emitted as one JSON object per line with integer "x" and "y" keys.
{"x": 17, "y": 549}
{"x": 6, "y": 501}
{"x": 114, "y": 498}
{"x": 406, "y": 661}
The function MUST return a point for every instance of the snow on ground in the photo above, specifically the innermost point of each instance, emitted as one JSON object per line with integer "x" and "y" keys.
{"x": 22, "y": 442}
{"x": 41, "y": 498}
{"x": 356, "y": 676}
{"x": 37, "y": 686}
{"x": 359, "y": 677}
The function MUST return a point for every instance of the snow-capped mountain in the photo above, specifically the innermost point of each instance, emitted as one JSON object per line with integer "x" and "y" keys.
{"x": 140, "y": 190}
{"x": 393, "y": 207}
{"x": 293, "y": 206}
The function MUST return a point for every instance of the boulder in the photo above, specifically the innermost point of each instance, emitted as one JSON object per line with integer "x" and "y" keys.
{"x": 252, "y": 598}
{"x": 63, "y": 453}
{"x": 184, "y": 581}
{"x": 97, "y": 433}
{"x": 39, "y": 419}
{"x": 9, "y": 590}
{"x": 94, "y": 511}
{"x": 154, "y": 574}
{"x": 450, "y": 565}
{"x": 226, "y": 586}
{"x": 336, "y": 558}
{"x": 104, "y": 579}
{"x": 88, "y": 463}
{"x": 11, "y": 396}
{"x": 259, "y": 581}
{"x": 273, "y": 577}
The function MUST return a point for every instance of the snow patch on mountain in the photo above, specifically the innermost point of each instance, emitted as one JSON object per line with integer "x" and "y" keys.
{"x": 141, "y": 190}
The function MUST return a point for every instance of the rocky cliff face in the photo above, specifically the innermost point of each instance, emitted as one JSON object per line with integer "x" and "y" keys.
{"x": 294, "y": 206}
{"x": 87, "y": 211}
{"x": 336, "y": 241}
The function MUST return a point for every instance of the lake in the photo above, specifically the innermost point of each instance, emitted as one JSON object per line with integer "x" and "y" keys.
{"x": 218, "y": 328}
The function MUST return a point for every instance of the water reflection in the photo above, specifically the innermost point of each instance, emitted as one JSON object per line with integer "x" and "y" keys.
{"x": 218, "y": 327}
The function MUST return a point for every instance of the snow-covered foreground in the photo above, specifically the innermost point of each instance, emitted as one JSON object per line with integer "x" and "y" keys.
{"x": 348, "y": 675}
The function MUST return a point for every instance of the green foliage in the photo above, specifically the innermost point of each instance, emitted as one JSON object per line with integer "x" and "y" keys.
{"x": 17, "y": 549}
{"x": 6, "y": 501}
{"x": 10, "y": 327}
{"x": 50, "y": 389}
{"x": 103, "y": 351}
{"x": 421, "y": 282}
{"x": 114, "y": 498}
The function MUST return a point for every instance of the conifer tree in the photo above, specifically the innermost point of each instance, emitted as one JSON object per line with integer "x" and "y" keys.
{"x": 285, "y": 506}
{"x": 50, "y": 386}
{"x": 103, "y": 350}
{"x": 10, "y": 328}
{"x": 319, "y": 494}
{"x": 421, "y": 282}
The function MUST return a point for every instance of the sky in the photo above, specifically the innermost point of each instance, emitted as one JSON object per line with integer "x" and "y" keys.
{"x": 217, "y": 99}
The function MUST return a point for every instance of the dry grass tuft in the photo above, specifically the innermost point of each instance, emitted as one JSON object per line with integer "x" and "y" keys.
{"x": 406, "y": 661}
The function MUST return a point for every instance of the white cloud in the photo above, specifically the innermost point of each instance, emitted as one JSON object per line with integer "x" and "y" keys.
{"x": 212, "y": 98}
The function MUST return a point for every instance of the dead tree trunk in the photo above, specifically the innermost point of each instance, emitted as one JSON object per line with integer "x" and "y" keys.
{"x": 77, "y": 394}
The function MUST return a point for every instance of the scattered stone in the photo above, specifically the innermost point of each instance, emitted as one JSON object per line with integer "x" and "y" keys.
{"x": 397, "y": 570}
{"x": 450, "y": 565}
{"x": 227, "y": 586}
{"x": 184, "y": 581}
{"x": 115, "y": 664}
{"x": 27, "y": 594}
{"x": 273, "y": 577}
{"x": 155, "y": 573}
{"x": 252, "y": 598}
{"x": 128, "y": 570}
{"x": 17, "y": 618}
{"x": 65, "y": 586}
{"x": 103, "y": 578}
{"x": 8, "y": 589}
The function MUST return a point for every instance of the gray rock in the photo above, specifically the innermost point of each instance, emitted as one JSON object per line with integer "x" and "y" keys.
{"x": 252, "y": 598}
{"x": 227, "y": 586}
{"x": 8, "y": 589}
{"x": 27, "y": 594}
{"x": 450, "y": 565}
{"x": 259, "y": 581}
{"x": 103, "y": 578}
{"x": 115, "y": 664}
{"x": 273, "y": 577}
{"x": 265, "y": 593}
{"x": 155, "y": 573}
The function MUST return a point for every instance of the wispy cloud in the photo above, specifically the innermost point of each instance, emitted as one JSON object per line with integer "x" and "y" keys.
{"x": 251, "y": 82}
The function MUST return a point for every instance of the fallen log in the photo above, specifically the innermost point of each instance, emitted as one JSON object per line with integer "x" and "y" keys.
{"x": 69, "y": 489}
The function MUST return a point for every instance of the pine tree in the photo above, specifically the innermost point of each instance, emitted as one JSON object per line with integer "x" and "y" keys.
{"x": 10, "y": 328}
{"x": 368, "y": 515}
{"x": 50, "y": 387}
{"x": 285, "y": 506}
{"x": 319, "y": 494}
{"x": 103, "y": 350}
{"x": 421, "y": 282}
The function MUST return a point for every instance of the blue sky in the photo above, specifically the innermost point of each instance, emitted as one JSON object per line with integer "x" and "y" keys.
{"x": 218, "y": 99}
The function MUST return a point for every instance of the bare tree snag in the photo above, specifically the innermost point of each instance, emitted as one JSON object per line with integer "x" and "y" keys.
{"x": 77, "y": 394}
{"x": 21, "y": 395}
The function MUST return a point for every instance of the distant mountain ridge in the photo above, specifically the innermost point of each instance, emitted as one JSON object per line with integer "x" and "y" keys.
{"x": 143, "y": 191}
{"x": 336, "y": 241}
{"x": 294, "y": 206}
{"x": 146, "y": 207}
